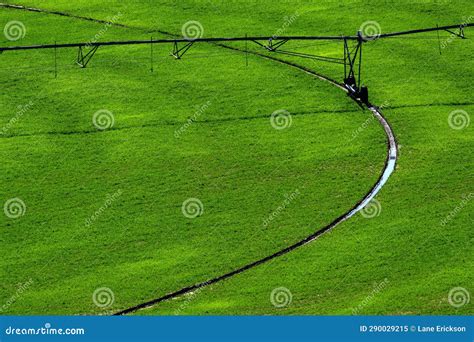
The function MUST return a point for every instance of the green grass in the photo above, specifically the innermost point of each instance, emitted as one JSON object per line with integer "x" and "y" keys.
{"x": 142, "y": 246}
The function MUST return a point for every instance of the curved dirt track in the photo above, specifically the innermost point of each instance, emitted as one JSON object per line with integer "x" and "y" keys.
{"x": 389, "y": 167}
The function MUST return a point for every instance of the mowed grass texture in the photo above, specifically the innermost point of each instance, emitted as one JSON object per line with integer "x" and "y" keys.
{"x": 104, "y": 208}
{"x": 403, "y": 261}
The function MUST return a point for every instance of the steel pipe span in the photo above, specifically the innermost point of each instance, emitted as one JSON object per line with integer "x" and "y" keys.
{"x": 359, "y": 36}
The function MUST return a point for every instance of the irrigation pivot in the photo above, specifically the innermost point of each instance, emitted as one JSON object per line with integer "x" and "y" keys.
{"x": 352, "y": 59}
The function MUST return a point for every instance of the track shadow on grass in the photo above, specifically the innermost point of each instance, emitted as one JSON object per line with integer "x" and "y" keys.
{"x": 427, "y": 105}
{"x": 172, "y": 123}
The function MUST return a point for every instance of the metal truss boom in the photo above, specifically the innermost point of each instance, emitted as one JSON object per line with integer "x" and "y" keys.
{"x": 232, "y": 39}
{"x": 352, "y": 56}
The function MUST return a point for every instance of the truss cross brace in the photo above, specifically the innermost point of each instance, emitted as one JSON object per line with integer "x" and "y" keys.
{"x": 460, "y": 34}
{"x": 352, "y": 69}
{"x": 352, "y": 64}
{"x": 83, "y": 59}
{"x": 272, "y": 45}
{"x": 179, "y": 52}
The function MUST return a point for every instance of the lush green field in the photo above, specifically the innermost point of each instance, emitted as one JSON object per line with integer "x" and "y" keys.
{"x": 141, "y": 246}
